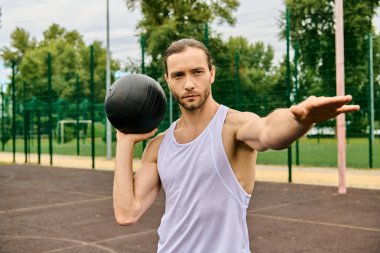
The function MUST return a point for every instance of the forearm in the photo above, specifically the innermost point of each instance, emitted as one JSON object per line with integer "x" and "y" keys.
{"x": 123, "y": 188}
{"x": 281, "y": 129}
{"x": 283, "y": 126}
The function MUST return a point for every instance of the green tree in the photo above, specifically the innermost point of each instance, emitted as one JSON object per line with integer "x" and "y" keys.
{"x": 259, "y": 86}
{"x": 20, "y": 44}
{"x": 70, "y": 56}
{"x": 167, "y": 20}
{"x": 312, "y": 29}
{"x": 164, "y": 21}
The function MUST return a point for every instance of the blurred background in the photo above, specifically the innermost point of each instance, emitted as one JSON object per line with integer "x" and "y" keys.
{"x": 268, "y": 54}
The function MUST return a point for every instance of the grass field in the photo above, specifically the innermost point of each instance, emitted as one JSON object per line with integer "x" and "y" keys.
{"x": 69, "y": 148}
{"x": 323, "y": 153}
{"x": 312, "y": 152}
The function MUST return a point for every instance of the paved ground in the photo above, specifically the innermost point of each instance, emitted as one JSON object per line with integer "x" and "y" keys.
{"x": 50, "y": 209}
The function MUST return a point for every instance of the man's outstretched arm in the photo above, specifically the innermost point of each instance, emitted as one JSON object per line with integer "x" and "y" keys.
{"x": 283, "y": 126}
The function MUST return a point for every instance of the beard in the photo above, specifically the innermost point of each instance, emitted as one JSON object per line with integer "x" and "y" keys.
{"x": 193, "y": 105}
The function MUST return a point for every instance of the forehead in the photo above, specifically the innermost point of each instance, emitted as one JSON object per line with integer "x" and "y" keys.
{"x": 191, "y": 57}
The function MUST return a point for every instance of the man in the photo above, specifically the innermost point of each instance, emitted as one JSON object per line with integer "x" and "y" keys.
{"x": 206, "y": 160}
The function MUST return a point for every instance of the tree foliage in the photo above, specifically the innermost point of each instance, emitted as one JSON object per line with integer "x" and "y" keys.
{"x": 253, "y": 80}
{"x": 312, "y": 31}
{"x": 242, "y": 69}
{"x": 70, "y": 57}
{"x": 167, "y": 20}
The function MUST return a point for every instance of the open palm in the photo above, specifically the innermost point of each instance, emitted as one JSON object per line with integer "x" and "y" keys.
{"x": 318, "y": 109}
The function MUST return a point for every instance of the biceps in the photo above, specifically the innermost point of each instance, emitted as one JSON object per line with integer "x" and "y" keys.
{"x": 251, "y": 133}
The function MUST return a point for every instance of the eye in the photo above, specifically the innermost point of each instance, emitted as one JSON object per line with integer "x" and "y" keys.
{"x": 177, "y": 75}
{"x": 198, "y": 72}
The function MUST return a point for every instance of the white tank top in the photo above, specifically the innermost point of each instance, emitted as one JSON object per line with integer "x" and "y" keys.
{"x": 206, "y": 207}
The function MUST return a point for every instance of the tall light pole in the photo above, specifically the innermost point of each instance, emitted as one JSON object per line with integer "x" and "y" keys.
{"x": 108, "y": 85}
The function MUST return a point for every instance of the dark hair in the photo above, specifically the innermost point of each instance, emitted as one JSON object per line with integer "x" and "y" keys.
{"x": 180, "y": 45}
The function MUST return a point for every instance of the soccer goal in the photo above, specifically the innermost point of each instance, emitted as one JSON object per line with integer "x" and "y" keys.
{"x": 61, "y": 126}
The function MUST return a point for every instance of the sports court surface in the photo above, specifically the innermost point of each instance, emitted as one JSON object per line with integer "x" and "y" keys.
{"x": 50, "y": 209}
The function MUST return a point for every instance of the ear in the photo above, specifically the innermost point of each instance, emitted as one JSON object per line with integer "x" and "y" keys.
{"x": 212, "y": 72}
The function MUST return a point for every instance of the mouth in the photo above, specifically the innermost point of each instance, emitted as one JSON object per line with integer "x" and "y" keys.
{"x": 190, "y": 96}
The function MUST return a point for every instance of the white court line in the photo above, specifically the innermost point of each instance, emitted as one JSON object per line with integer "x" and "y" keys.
{"x": 96, "y": 243}
{"x": 126, "y": 236}
{"x": 315, "y": 222}
{"x": 82, "y": 243}
{"x": 79, "y": 246}
{"x": 11, "y": 176}
{"x": 54, "y": 205}
{"x": 285, "y": 204}
{"x": 56, "y": 190}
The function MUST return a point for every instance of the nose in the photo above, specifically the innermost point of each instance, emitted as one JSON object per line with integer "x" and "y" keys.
{"x": 189, "y": 84}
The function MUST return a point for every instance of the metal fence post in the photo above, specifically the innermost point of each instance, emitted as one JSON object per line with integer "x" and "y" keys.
{"x": 77, "y": 97}
{"x": 237, "y": 81}
{"x": 371, "y": 107}
{"x": 50, "y": 109}
{"x": 14, "y": 110}
{"x": 288, "y": 85}
{"x": 206, "y": 35}
{"x": 2, "y": 119}
{"x": 92, "y": 88}
{"x": 296, "y": 96}
{"x": 39, "y": 135}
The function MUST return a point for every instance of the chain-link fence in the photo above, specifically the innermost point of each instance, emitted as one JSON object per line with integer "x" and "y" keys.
{"x": 64, "y": 113}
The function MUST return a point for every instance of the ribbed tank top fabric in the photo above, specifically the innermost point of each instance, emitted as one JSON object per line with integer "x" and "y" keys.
{"x": 206, "y": 207}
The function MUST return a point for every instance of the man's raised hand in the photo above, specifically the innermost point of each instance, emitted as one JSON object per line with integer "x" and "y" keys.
{"x": 318, "y": 109}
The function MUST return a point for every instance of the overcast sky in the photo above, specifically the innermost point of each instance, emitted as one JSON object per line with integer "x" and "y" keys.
{"x": 257, "y": 20}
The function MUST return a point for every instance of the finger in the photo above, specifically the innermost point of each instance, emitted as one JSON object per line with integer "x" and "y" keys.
{"x": 343, "y": 99}
{"x": 348, "y": 108}
{"x": 150, "y": 134}
{"x": 333, "y": 102}
{"x": 153, "y": 132}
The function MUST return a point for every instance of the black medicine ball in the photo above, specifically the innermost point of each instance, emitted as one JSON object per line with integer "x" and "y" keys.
{"x": 135, "y": 103}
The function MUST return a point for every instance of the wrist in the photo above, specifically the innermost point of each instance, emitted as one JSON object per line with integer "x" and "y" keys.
{"x": 125, "y": 143}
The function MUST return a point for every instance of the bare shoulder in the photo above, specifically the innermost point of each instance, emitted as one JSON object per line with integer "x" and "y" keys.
{"x": 151, "y": 151}
{"x": 237, "y": 118}
{"x": 156, "y": 141}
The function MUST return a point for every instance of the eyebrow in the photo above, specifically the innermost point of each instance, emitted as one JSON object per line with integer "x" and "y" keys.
{"x": 181, "y": 72}
{"x": 198, "y": 68}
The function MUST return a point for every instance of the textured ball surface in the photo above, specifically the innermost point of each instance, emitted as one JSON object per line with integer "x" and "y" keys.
{"x": 135, "y": 103}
